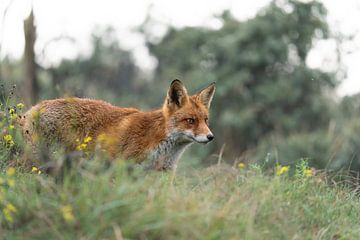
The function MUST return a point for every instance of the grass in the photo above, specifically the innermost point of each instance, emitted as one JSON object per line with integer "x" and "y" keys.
{"x": 93, "y": 201}
{"x": 218, "y": 202}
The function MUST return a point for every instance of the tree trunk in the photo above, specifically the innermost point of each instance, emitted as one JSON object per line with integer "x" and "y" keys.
{"x": 31, "y": 85}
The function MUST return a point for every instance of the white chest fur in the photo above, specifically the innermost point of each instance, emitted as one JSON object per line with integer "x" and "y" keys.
{"x": 167, "y": 153}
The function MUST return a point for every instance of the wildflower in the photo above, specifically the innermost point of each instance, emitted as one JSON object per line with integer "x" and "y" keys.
{"x": 20, "y": 105}
{"x": 11, "y": 182}
{"x": 241, "y": 166}
{"x": 11, "y": 126}
{"x": 8, "y": 212}
{"x": 88, "y": 139}
{"x": 10, "y": 171}
{"x": 67, "y": 213}
{"x": 103, "y": 139}
{"x": 81, "y": 147}
{"x": 13, "y": 116}
{"x": 8, "y": 216}
{"x": 11, "y": 208}
{"x": 281, "y": 170}
{"x": 36, "y": 170}
{"x": 308, "y": 172}
{"x": 8, "y": 138}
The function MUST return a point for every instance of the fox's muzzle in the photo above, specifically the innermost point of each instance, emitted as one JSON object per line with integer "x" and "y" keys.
{"x": 204, "y": 138}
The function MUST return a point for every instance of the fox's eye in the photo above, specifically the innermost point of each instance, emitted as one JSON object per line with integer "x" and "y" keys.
{"x": 207, "y": 121}
{"x": 190, "y": 120}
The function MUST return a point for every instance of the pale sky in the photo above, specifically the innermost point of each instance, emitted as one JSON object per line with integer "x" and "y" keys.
{"x": 78, "y": 18}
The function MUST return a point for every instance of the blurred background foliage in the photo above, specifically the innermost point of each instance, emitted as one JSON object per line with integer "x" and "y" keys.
{"x": 269, "y": 105}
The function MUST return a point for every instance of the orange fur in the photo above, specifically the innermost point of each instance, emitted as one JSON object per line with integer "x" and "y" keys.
{"x": 159, "y": 136}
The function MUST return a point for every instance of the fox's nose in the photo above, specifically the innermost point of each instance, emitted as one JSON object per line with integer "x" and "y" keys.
{"x": 210, "y": 137}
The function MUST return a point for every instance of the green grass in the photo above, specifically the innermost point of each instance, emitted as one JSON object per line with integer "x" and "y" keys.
{"x": 219, "y": 202}
{"x": 94, "y": 201}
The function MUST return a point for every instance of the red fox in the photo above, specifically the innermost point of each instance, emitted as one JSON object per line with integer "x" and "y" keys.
{"x": 156, "y": 139}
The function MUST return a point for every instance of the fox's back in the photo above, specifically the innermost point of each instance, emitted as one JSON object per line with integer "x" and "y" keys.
{"x": 65, "y": 120}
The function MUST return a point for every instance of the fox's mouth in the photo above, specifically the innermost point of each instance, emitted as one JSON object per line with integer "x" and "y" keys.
{"x": 198, "y": 141}
{"x": 202, "y": 142}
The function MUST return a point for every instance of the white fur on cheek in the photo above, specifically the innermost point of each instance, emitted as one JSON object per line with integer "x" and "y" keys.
{"x": 190, "y": 135}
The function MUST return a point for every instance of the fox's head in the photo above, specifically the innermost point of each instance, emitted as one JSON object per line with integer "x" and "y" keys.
{"x": 188, "y": 116}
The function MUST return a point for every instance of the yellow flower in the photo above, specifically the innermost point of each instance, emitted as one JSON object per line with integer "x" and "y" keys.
{"x": 36, "y": 170}
{"x": 11, "y": 126}
{"x": 13, "y": 116}
{"x": 10, "y": 171}
{"x": 8, "y": 216}
{"x": 88, "y": 139}
{"x": 8, "y": 138}
{"x": 8, "y": 212}
{"x": 67, "y": 213}
{"x": 11, "y": 182}
{"x": 11, "y": 208}
{"x": 281, "y": 170}
{"x": 81, "y": 147}
{"x": 101, "y": 138}
{"x": 20, "y": 105}
{"x": 308, "y": 172}
{"x": 241, "y": 166}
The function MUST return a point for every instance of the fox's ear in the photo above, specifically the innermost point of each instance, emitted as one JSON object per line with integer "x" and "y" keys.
{"x": 206, "y": 95}
{"x": 177, "y": 95}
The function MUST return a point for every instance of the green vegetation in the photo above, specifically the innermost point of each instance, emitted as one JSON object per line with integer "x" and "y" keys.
{"x": 91, "y": 199}
{"x": 219, "y": 202}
